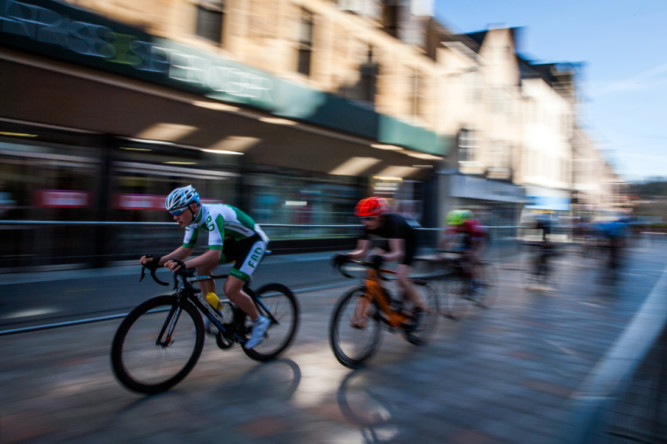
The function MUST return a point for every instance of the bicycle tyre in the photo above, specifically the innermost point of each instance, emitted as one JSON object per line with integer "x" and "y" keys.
{"x": 422, "y": 334}
{"x": 456, "y": 300}
{"x": 353, "y": 346}
{"x": 489, "y": 286}
{"x": 142, "y": 365}
{"x": 284, "y": 315}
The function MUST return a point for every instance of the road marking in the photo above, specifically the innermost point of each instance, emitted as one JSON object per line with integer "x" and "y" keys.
{"x": 627, "y": 352}
{"x": 563, "y": 349}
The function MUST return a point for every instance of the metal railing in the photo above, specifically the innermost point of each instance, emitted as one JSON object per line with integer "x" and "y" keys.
{"x": 29, "y": 243}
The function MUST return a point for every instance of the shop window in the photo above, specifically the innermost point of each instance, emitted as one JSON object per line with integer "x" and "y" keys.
{"x": 210, "y": 16}
{"x": 305, "y": 42}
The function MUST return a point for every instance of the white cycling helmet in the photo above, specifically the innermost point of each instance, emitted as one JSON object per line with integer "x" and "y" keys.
{"x": 180, "y": 198}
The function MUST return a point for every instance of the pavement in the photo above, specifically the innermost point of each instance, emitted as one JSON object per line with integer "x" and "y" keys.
{"x": 536, "y": 367}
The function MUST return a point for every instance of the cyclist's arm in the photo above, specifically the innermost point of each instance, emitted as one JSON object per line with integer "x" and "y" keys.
{"x": 180, "y": 253}
{"x": 396, "y": 250}
{"x": 211, "y": 257}
{"x": 363, "y": 245}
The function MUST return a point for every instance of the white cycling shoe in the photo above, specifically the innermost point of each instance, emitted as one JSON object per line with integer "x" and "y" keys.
{"x": 258, "y": 330}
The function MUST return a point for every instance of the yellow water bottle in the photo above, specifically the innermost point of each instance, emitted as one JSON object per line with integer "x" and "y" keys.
{"x": 213, "y": 299}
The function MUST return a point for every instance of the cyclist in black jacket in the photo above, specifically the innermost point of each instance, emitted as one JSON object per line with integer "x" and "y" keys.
{"x": 396, "y": 241}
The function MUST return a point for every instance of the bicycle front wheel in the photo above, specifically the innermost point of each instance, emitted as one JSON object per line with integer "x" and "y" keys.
{"x": 278, "y": 303}
{"x": 157, "y": 345}
{"x": 487, "y": 291}
{"x": 456, "y": 297}
{"x": 351, "y": 344}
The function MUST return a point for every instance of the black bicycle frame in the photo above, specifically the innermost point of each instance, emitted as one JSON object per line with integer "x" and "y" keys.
{"x": 195, "y": 296}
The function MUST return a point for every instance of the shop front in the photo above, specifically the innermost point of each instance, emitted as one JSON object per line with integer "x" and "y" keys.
{"x": 497, "y": 204}
{"x": 104, "y": 119}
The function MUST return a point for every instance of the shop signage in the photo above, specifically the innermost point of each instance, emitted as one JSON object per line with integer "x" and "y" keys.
{"x": 62, "y": 199}
{"x": 86, "y": 38}
{"x": 126, "y": 201}
{"x": 464, "y": 186}
{"x": 62, "y": 31}
{"x": 542, "y": 198}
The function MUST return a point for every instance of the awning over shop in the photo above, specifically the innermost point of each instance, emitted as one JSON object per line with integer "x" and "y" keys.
{"x": 38, "y": 90}
{"x": 80, "y": 37}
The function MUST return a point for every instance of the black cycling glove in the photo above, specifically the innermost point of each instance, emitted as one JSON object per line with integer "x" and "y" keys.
{"x": 339, "y": 259}
{"x": 155, "y": 263}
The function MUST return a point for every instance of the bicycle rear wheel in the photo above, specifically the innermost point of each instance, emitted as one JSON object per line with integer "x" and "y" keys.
{"x": 278, "y": 303}
{"x": 429, "y": 321}
{"x": 157, "y": 345}
{"x": 351, "y": 345}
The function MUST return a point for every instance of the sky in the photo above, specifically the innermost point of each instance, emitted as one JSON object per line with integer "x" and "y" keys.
{"x": 623, "y": 80}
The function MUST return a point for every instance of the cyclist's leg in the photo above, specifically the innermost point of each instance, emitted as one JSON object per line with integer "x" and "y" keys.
{"x": 234, "y": 291}
{"x": 206, "y": 287}
{"x": 362, "y": 312}
{"x": 249, "y": 255}
{"x": 406, "y": 285}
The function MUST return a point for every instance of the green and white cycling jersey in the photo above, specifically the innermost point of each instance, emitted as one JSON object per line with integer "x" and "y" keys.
{"x": 222, "y": 222}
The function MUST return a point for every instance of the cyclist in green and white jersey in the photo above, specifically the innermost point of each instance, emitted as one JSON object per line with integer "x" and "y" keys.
{"x": 232, "y": 236}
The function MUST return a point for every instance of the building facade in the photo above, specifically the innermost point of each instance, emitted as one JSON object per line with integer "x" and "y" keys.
{"x": 290, "y": 109}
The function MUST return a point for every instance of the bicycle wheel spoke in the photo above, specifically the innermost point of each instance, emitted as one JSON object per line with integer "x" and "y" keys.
{"x": 157, "y": 345}
{"x": 351, "y": 341}
{"x": 429, "y": 320}
{"x": 279, "y": 304}
{"x": 488, "y": 289}
{"x": 455, "y": 295}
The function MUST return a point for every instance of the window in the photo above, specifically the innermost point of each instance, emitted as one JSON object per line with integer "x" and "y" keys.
{"x": 390, "y": 17}
{"x": 417, "y": 104}
{"x": 210, "y": 16}
{"x": 369, "y": 73}
{"x": 467, "y": 145}
{"x": 305, "y": 42}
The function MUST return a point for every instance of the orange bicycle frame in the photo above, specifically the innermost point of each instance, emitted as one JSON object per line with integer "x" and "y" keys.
{"x": 374, "y": 290}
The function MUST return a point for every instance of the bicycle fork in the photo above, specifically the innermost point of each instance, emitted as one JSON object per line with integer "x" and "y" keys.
{"x": 169, "y": 326}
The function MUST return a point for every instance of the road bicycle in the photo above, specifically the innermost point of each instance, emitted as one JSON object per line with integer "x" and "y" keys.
{"x": 541, "y": 266}
{"x": 159, "y": 342}
{"x": 460, "y": 292}
{"x": 361, "y": 313}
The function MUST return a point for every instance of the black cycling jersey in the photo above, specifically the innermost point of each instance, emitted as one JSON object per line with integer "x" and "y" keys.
{"x": 394, "y": 226}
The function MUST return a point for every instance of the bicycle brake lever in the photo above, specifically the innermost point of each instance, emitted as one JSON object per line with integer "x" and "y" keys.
{"x": 143, "y": 273}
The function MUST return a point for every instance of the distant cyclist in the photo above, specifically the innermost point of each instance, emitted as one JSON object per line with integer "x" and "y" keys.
{"x": 615, "y": 233}
{"x": 397, "y": 242}
{"x": 466, "y": 235}
{"x": 542, "y": 264}
{"x": 232, "y": 236}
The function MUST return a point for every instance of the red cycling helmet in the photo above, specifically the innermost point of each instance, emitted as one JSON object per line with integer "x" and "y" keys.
{"x": 371, "y": 206}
